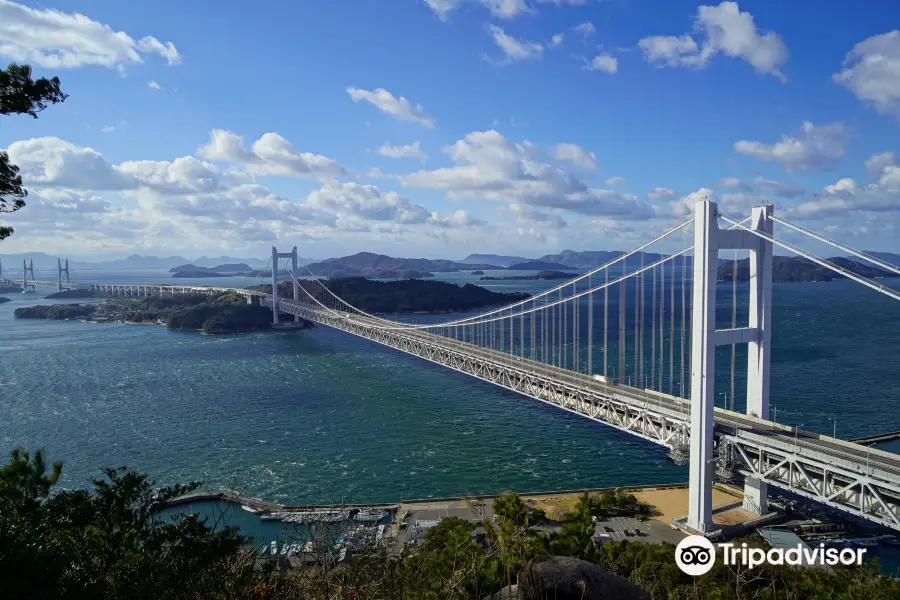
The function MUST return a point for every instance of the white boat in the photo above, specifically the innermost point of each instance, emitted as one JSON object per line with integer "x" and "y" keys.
{"x": 284, "y": 549}
{"x": 250, "y": 509}
{"x": 274, "y": 547}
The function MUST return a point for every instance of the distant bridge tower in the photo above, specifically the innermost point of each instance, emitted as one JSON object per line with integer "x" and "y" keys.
{"x": 26, "y": 269}
{"x": 59, "y": 273}
{"x": 708, "y": 240}
{"x": 275, "y": 256}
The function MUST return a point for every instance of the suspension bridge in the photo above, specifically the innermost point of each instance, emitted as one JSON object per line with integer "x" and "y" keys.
{"x": 631, "y": 344}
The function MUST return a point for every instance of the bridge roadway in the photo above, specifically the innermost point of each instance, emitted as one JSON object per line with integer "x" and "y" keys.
{"x": 847, "y": 476}
{"x": 841, "y": 474}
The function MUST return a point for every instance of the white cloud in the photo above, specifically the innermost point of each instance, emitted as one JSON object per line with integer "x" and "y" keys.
{"x": 684, "y": 206}
{"x": 820, "y": 147}
{"x": 872, "y": 72}
{"x": 413, "y": 150}
{"x": 57, "y": 40}
{"x": 557, "y": 39}
{"x": 108, "y": 129}
{"x": 271, "y": 154}
{"x": 586, "y": 29}
{"x": 877, "y": 162}
{"x": 661, "y": 193}
{"x": 459, "y": 218}
{"x": 367, "y": 202}
{"x": 153, "y": 85}
{"x": 616, "y": 181}
{"x": 576, "y": 155}
{"x": 603, "y": 62}
{"x": 52, "y": 162}
{"x": 513, "y": 49}
{"x": 526, "y": 215}
{"x": 399, "y": 108}
{"x": 488, "y": 166}
{"x": 727, "y": 31}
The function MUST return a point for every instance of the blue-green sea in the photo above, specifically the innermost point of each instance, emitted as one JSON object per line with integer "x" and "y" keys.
{"x": 319, "y": 416}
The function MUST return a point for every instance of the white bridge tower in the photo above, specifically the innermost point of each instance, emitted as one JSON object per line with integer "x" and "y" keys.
{"x": 26, "y": 269}
{"x": 59, "y": 273}
{"x": 275, "y": 256}
{"x": 708, "y": 240}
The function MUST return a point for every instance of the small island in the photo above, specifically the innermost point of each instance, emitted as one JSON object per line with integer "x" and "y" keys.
{"x": 10, "y": 289}
{"x": 541, "y": 275}
{"x": 2, "y": 300}
{"x": 79, "y": 294}
{"x": 477, "y": 272}
{"x": 409, "y": 295}
{"x": 224, "y": 313}
{"x": 798, "y": 269}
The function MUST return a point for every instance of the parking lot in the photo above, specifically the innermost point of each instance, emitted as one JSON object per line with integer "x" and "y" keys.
{"x": 627, "y": 528}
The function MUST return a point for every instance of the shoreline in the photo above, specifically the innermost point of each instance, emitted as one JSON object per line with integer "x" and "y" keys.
{"x": 266, "y": 506}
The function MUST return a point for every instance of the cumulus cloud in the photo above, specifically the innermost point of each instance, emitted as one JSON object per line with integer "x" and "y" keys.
{"x": 52, "y": 162}
{"x": 576, "y": 155}
{"x": 761, "y": 185}
{"x": 526, "y": 215}
{"x": 616, "y": 181}
{"x": 819, "y": 147}
{"x": 513, "y": 49}
{"x": 603, "y": 62}
{"x": 557, "y": 39}
{"x": 586, "y": 29}
{"x": 271, "y": 154}
{"x": 366, "y": 201}
{"x": 399, "y": 108}
{"x": 413, "y": 150}
{"x": 54, "y": 39}
{"x": 153, "y": 85}
{"x": 724, "y": 29}
{"x": 488, "y": 166}
{"x": 872, "y": 72}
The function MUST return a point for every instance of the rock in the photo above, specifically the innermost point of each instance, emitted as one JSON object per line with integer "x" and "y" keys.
{"x": 510, "y": 592}
{"x": 564, "y": 578}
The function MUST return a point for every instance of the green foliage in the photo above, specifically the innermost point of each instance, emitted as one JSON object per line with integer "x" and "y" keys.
{"x": 237, "y": 318}
{"x": 20, "y": 95}
{"x": 113, "y": 544}
{"x": 796, "y": 268}
{"x": 56, "y": 312}
{"x": 406, "y": 296}
{"x": 613, "y": 503}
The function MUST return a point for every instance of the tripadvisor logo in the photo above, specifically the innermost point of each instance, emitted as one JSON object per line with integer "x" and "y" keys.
{"x": 696, "y": 555}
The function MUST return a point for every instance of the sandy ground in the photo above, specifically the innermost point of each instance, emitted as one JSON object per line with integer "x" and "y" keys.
{"x": 667, "y": 503}
{"x": 673, "y": 503}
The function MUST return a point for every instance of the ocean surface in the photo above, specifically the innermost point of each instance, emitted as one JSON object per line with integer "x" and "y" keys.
{"x": 320, "y": 416}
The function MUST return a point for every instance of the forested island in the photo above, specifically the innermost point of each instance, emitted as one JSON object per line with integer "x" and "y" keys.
{"x": 2, "y": 300}
{"x": 795, "y": 268}
{"x": 541, "y": 275}
{"x": 10, "y": 289}
{"x": 409, "y": 295}
{"x": 79, "y": 294}
{"x": 223, "y": 313}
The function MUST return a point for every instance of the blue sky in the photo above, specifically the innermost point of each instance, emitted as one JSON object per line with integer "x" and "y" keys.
{"x": 654, "y": 103}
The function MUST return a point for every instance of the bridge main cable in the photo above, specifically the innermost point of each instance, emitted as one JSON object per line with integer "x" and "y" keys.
{"x": 892, "y": 293}
{"x": 474, "y": 318}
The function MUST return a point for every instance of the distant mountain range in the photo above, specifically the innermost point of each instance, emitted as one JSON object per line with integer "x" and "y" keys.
{"x": 795, "y": 268}
{"x": 135, "y": 261}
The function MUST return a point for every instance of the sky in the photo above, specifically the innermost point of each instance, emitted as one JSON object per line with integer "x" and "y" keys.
{"x": 440, "y": 128}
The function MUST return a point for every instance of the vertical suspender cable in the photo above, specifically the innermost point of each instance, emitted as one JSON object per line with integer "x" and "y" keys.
{"x": 637, "y": 293}
{"x": 621, "y": 371}
{"x": 683, "y": 312}
{"x": 653, "y": 333}
{"x": 590, "y": 348}
{"x": 734, "y": 266}
{"x": 662, "y": 303}
{"x": 672, "y": 327}
{"x": 605, "y": 321}
{"x": 640, "y": 301}
{"x": 575, "y": 310}
{"x": 522, "y": 331}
